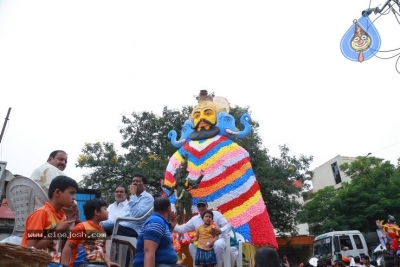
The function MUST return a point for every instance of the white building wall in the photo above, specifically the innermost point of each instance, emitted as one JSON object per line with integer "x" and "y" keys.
{"x": 324, "y": 176}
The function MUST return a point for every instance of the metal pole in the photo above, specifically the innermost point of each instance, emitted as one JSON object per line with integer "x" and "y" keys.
{"x": 5, "y": 123}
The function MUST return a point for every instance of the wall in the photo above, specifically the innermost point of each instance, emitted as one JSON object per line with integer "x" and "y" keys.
{"x": 323, "y": 175}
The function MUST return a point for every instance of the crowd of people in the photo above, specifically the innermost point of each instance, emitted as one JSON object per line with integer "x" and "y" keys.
{"x": 84, "y": 245}
{"x": 55, "y": 226}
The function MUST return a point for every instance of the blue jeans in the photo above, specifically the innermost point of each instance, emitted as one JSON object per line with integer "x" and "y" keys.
{"x": 53, "y": 264}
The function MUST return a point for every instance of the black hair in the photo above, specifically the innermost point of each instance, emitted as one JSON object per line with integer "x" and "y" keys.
{"x": 266, "y": 257}
{"x": 93, "y": 205}
{"x": 144, "y": 179}
{"x": 55, "y": 152}
{"x": 365, "y": 257}
{"x": 209, "y": 212}
{"x": 357, "y": 259}
{"x": 120, "y": 186}
{"x": 61, "y": 182}
{"x": 161, "y": 203}
{"x": 157, "y": 194}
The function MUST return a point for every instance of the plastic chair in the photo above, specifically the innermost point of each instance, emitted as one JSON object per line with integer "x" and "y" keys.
{"x": 22, "y": 194}
{"x": 124, "y": 243}
{"x": 229, "y": 259}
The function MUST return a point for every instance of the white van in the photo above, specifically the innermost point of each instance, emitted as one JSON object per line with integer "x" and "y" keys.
{"x": 346, "y": 243}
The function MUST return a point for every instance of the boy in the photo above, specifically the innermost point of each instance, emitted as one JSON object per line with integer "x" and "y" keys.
{"x": 87, "y": 241}
{"x": 46, "y": 225}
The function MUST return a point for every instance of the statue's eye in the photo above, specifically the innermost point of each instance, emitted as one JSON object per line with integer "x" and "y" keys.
{"x": 356, "y": 39}
{"x": 227, "y": 119}
{"x": 363, "y": 37}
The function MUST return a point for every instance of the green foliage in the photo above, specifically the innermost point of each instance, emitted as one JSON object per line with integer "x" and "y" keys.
{"x": 144, "y": 137}
{"x": 372, "y": 195}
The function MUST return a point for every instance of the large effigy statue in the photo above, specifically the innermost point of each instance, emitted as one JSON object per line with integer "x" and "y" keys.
{"x": 229, "y": 183}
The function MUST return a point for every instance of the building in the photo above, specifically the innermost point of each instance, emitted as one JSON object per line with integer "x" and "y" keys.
{"x": 329, "y": 174}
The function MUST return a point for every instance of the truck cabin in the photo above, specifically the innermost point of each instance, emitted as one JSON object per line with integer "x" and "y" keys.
{"x": 340, "y": 244}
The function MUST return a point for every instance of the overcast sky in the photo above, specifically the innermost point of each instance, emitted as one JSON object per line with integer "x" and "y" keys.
{"x": 70, "y": 69}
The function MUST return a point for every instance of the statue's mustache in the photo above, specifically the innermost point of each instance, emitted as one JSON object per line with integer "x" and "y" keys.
{"x": 207, "y": 121}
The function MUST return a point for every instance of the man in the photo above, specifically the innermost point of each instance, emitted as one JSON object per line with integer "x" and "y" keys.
{"x": 154, "y": 245}
{"x": 357, "y": 261}
{"x": 55, "y": 165}
{"x": 229, "y": 181}
{"x": 365, "y": 261}
{"x": 139, "y": 204}
{"x": 223, "y": 229}
{"x": 117, "y": 209}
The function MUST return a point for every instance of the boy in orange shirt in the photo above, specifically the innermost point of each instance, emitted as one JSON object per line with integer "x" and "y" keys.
{"x": 87, "y": 242}
{"x": 45, "y": 227}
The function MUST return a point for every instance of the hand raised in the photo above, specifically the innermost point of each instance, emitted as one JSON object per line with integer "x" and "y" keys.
{"x": 64, "y": 225}
{"x": 173, "y": 218}
{"x": 133, "y": 189}
{"x": 216, "y": 231}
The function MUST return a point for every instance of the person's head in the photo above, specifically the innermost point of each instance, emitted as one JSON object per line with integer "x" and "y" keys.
{"x": 202, "y": 205}
{"x": 140, "y": 181}
{"x": 322, "y": 263}
{"x": 95, "y": 208}
{"x": 284, "y": 257}
{"x": 58, "y": 158}
{"x": 162, "y": 205}
{"x": 375, "y": 263}
{"x": 120, "y": 194}
{"x": 266, "y": 257}
{"x": 365, "y": 259}
{"x": 207, "y": 217}
{"x": 62, "y": 189}
{"x": 391, "y": 219}
{"x": 357, "y": 259}
{"x": 339, "y": 264}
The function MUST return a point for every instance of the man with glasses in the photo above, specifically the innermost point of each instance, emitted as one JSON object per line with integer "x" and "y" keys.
{"x": 223, "y": 229}
{"x": 140, "y": 202}
{"x": 116, "y": 209}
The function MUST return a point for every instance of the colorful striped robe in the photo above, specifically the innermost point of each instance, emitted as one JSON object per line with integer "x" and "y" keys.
{"x": 229, "y": 185}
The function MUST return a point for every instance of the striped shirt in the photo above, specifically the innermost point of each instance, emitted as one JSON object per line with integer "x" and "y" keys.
{"x": 156, "y": 228}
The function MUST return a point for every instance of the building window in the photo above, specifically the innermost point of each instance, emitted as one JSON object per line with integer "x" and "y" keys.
{"x": 336, "y": 173}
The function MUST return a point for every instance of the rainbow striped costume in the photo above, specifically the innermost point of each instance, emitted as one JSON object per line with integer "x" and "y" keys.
{"x": 229, "y": 185}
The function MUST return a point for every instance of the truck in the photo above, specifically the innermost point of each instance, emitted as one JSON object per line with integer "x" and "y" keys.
{"x": 339, "y": 244}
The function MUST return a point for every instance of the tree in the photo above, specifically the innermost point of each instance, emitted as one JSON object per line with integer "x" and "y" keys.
{"x": 144, "y": 137}
{"x": 372, "y": 195}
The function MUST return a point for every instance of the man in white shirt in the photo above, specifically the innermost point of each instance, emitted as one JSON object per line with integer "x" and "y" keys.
{"x": 140, "y": 202}
{"x": 55, "y": 165}
{"x": 117, "y": 209}
{"x": 223, "y": 229}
